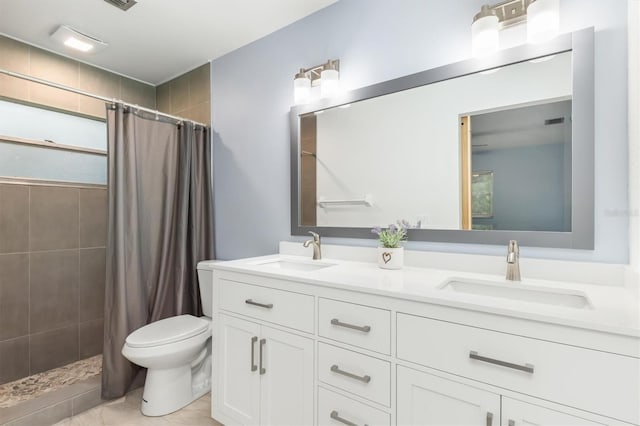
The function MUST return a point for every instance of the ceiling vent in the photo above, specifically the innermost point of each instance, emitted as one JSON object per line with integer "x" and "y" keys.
{"x": 552, "y": 121}
{"x": 122, "y": 4}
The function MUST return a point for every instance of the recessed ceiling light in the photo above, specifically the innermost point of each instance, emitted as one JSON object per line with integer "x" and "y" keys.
{"x": 76, "y": 40}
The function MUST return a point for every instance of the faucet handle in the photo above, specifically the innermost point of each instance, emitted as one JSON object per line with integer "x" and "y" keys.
{"x": 316, "y": 236}
{"x": 513, "y": 247}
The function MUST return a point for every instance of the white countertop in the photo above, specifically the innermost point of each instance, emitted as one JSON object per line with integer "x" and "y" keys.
{"x": 614, "y": 309}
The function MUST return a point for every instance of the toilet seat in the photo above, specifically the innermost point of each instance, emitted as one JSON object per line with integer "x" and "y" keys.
{"x": 168, "y": 330}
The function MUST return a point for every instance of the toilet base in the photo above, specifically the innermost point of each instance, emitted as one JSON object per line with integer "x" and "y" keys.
{"x": 168, "y": 390}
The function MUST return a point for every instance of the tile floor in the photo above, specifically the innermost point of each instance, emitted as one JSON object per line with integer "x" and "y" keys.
{"x": 126, "y": 412}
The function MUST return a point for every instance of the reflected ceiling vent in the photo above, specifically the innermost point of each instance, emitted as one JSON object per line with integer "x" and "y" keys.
{"x": 551, "y": 121}
{"x": 122, "y": 4}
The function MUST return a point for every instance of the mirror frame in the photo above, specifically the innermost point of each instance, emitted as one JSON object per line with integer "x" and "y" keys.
{"x": 582, "y": 162}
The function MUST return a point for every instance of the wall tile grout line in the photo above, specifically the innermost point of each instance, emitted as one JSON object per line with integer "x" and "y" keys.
{"x": 51, "y": 250}
{"x": 78, "y": 277}
{"x": 29, "y": 279}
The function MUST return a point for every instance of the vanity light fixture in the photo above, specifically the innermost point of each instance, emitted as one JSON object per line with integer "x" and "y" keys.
{"x": 326, "y": 75}
{"x": 541, "y": 16}
{"x": 77, "y": 40}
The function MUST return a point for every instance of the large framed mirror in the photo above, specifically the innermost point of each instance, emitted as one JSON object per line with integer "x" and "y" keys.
{"x": 480, "y": 151}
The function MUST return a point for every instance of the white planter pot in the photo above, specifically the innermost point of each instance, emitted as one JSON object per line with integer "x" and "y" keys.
{"x": 390, "y": 258}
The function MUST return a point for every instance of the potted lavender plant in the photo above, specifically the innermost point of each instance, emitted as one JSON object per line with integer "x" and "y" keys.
{"x": 390, "y": 253}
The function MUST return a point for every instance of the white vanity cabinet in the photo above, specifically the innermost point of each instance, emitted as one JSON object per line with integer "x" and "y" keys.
{"x": 265, "y": 374}
{"x": 577, "y": 377}
{"x": 292, "y": 351}
{"x": 425, "y": 399}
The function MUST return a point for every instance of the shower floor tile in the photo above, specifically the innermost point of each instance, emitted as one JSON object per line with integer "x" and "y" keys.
{"x": 32, "y": 387}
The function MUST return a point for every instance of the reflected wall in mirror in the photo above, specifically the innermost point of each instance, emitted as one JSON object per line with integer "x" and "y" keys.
{"x": 480, "y": 151}
{"x": 401, "y": 151}
{"x": 520, "y": 169}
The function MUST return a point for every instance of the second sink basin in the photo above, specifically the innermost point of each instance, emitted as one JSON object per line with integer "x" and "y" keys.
{"x": 516, "y": 291}
{"x": 296, "y": 265}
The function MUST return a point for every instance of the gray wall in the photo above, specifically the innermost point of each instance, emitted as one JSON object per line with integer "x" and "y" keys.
{"x": 376, "y": 40}
{"x": 52, "y": 273}
{"x": 528, "y": 187}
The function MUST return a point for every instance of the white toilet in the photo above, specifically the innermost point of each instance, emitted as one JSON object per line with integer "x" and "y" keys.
{"x": 177, "y": 354}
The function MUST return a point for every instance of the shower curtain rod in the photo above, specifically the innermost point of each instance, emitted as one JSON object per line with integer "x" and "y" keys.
{"x": 93, "y": 95}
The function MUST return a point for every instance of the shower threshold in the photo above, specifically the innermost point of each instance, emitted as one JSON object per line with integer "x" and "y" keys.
{"x": 46, "y": 397}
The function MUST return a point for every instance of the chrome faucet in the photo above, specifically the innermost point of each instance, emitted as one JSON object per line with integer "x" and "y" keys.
{"x": 317, "y": 255}
{"x": 513, "y": 264}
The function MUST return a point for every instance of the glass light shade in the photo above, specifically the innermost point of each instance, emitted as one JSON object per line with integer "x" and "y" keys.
{"x": 301, "y": 90}
{"x": 543, "y": 20}
{"x": 484, "y": 36}
{"x": 329, "y": 83}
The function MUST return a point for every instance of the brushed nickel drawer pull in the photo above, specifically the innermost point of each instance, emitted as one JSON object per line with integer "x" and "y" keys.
{"x": 262, "y": 343}
{"x": 262, "y": 305}
{"x": 335, "y": 416}
{"x": 254, "y": 339}
{"x": 336, "y": 369}
{"x": 363, "y": 328}
{"x": 527, "y": 368}
{"x": 489, "y": 418}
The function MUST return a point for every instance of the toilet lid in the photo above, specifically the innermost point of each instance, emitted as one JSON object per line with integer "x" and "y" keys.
{"x": 168, "y": 330}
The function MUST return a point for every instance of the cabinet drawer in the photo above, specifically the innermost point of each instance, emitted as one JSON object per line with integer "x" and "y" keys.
{"x": 332, "y": 405}
{"x": 289, "y": 309}
{"x": 357, "y": 325}
{"x": 595, "y": 381}
{"x": 360, "y": 374}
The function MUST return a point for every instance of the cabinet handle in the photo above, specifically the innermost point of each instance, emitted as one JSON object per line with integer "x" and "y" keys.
{"x": 254, "y": 339}
{"x": 512, "y": 422}
{"x": 363, "y": 328}
{"x": 262, "y": 343}
{"x": 527, "y": 368}
{"x": 262, "y": 305}
{"x": 489, "y": 418}
{"x": 336, "y": 369}
{"x": 335, "y": 416}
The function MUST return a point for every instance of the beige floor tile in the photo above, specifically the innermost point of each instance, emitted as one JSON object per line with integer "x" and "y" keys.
{"x": 125, "y": 411}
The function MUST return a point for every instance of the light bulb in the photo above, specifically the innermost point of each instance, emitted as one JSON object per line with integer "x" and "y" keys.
{"x": 543, "y": 20}
{"x": 301, "y": 88}
{"x": 329, "y": 81}
{"x": 484, "y": 33}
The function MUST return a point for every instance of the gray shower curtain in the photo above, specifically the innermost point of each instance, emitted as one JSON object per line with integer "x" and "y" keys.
{"x": 160, "y": 225}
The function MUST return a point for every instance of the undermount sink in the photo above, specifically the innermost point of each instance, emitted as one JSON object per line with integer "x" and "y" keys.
{"x": 296, "y": 265}
{"x": 516, "y": 291}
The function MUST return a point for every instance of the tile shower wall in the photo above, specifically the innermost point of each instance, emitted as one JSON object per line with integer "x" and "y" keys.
{"x": 52, "y": 273}
{"x": 26, "y": 59}
{"x": 188, "y": 95}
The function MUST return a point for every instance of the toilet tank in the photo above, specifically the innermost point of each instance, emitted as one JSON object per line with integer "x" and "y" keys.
{"x": 205, "y": 281}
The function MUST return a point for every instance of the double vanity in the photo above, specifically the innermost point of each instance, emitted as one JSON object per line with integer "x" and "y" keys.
{"x": 333, "y": 341}
{"x": 447, "y": 340}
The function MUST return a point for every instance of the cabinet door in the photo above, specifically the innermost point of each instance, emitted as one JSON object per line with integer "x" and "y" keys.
{"x": 518, "y": 413}
{"x": 286, "y": 384}
{"x": 238, "y": 390}
{"x": 424, "y": 399}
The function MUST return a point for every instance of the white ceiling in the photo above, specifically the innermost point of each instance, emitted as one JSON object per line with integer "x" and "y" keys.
{"x": 155, "y": 40}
